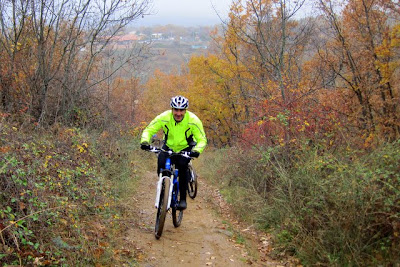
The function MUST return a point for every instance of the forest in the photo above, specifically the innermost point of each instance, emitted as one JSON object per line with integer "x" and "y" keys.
{"x": 307, "y": 110}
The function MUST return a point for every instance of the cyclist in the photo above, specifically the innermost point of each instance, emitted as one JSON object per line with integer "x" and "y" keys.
{"x": 183, "y": 131}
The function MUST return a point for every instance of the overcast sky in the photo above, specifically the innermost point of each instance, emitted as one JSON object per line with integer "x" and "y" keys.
{"x": 186, "y": 12}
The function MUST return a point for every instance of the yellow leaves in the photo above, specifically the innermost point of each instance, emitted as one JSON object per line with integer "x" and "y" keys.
{"x": 70, "y": 131}
{"x": 82, "y": 148}
{"x": 61, "y": 173}
{"x": 219, "y": 101}
{"x": 16, "y": 47}
{"x": 386, "y": 54}
{"x": 47, "y": 159}
{"x": 303, "y": 127}
{"x": 395, "y": 36}
{"x": 282, "y": 142}
{"x": 368, "y": 142}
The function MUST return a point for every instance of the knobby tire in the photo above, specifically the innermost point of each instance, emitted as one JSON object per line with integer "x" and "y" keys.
{"x": 192, "y": 185}
{"x": 177, "y": 215}
{"x": 162, "y": 207}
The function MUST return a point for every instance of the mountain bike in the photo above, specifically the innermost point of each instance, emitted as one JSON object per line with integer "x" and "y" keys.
{"x": 192, "y": 183}
{"x": 167, "y": 196}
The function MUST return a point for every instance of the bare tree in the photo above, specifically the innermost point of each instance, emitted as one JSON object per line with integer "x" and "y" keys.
{"x": 64, "y": 44}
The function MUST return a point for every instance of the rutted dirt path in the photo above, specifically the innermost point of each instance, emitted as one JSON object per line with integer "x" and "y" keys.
{"x": 203, "y": 239}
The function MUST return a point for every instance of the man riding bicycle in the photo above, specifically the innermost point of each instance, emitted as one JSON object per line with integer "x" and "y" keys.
{"x": 181, "y": 127}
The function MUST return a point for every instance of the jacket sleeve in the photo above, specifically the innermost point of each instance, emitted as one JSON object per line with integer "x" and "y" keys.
{"x": 199, "y": 135}
{"x": 154, "y": 126}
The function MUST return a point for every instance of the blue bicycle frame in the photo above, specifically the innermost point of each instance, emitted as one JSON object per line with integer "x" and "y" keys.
{"x": 169, "y": 173}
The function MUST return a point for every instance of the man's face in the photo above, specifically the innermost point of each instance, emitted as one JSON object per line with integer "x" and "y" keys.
{"x": 178, "y": 114}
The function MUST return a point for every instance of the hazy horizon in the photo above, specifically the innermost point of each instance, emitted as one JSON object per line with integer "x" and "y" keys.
{"x": 186, "y": 13}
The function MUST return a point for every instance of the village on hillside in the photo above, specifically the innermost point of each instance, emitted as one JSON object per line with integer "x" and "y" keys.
{"x": 172, "y": 45}
{"x": 163, "y": 36}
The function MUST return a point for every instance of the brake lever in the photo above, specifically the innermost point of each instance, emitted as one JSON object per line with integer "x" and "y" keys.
{"x": 186, "y": 154}
{"x": 154, "y": 149}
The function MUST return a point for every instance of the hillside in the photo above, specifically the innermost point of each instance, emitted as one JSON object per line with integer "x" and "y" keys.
{"x": 302, "y": 119}
{"x": 171, "y": 46}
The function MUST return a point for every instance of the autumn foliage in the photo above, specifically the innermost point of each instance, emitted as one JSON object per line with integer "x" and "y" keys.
{"x": 309, "y": 103}
{"x": 300, "y": 101}
{"x": 273, "y": 80}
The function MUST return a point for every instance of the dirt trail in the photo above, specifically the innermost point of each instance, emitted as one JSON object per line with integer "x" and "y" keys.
{"x": 201, "y": 240}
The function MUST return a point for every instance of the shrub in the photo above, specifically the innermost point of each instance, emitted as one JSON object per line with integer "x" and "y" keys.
{"x": 327, "y": 208}
{"x": 56, "y": 197}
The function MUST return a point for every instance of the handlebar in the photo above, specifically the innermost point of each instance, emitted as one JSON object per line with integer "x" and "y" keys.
{"x": 157, "y": 150}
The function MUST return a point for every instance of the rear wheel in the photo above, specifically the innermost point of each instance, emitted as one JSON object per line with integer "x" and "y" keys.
{"x": 177, "y": 215}
{"x": 192, "y": 185}
{"x": 162, "y": 207}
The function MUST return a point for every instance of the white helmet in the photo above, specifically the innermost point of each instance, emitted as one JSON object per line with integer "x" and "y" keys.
{"x": 179, "y": 102}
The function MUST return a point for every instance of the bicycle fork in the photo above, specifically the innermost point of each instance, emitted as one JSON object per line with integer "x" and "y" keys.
{"x": 159, "y": 186}
{"x": 173, "y": 183}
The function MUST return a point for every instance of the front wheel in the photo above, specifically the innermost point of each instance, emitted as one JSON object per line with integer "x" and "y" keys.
{"x": 162, "y": 207}
{"x": 192, "y": 185}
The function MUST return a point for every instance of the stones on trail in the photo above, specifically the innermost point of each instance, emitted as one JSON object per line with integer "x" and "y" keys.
{"x": 210, "y": 259}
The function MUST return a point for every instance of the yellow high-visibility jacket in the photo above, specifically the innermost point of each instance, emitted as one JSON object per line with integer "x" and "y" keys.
{"x": 177, "y": 134}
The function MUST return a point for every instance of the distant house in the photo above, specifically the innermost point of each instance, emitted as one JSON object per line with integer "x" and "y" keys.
{"x": 156, "y": 36}
{"x": 125, "y": 39}
{"x": 199, "y": 47}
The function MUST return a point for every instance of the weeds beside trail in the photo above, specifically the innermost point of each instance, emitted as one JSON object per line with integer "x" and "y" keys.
{"x": 64, "y": 198}
{"x": 325, "y": 208}
{"x": 61, "y": 197}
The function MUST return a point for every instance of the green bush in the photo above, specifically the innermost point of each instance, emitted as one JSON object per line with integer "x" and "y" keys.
{"x": 327, "y": 208}
{"x": 342, "y": 209}
{"x": 227, "y": 169}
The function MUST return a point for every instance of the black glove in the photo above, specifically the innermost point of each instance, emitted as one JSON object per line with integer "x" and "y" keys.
{"x": 194, "y": 154}
{"x": 145, "y": 146}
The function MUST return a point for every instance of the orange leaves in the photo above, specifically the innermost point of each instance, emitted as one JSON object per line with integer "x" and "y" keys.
{"x": 360, "y": 63}
{"x": 122, "y": 99}
{"x": 5, "y": 149}
{"x": 272, "y": 79}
